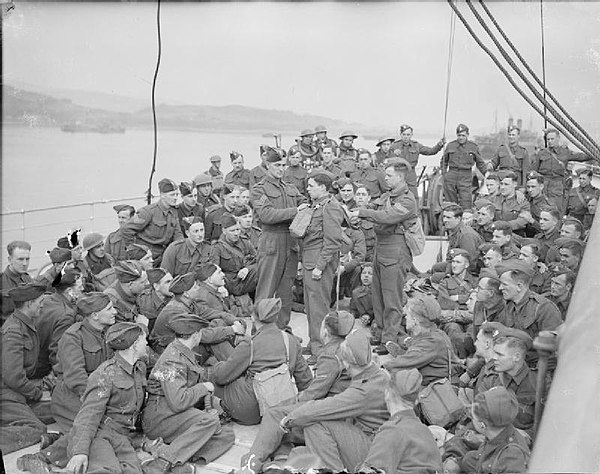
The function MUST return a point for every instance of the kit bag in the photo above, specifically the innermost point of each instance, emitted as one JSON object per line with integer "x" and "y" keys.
{"x": 301, "y": 222}
{"x": 415, "y": 237}
{"x": 274, "y": 386}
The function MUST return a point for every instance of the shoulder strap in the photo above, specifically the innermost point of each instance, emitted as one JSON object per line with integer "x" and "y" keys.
{"x": 286, "y": 341}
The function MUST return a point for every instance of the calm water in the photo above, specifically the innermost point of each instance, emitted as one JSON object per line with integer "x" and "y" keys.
{"x": 45, "y": 167}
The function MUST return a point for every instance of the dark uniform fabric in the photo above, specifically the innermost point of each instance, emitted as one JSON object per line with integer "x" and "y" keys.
{"x": 410, "y": 152}
{"x": 548, "y": 251}
{"x": 10, "y": 280}
{"x": 496, "y": 312}
{"x": 335, "y": 170}
{"x": 456, "y": 165}
{"x": 347, "y": 160}
{"x": 150, "y": 304}
{"x": 19, "y": 391}
{"x": 156, "y": 226}
{"x": 184, "y": 212}
{"x": 125, "y": 304}
{"x": 297, "y": 176}
{"x": 486, "y": 231}
{"x": 511, "y": 209}
{"x": 208, "y": 201}
{"x": 252, "y": 235}
{"x": 373, "y": 179}
{"x": 211, "y": 297}
{"x": 239, "y": 178}
{"x": 562, "y": 305}
{"x": 81, "y": 350}
{"x": 368, "y": 230}
{"x": 453, "y": 285}
{"x": 514, "y": 158}
{"x": 352, "y": 255}
{"x": 233, "y": 377}
{"x": 275, "y": 203}
{"x": 110, "y": 407}
{"x": 257, "y": 174}
{"x": 535, "y": 206}
{"x": 322, "y": 143}
{"x": 183, "y": 256}
{"x": 217, "y": 178}
{"x": 379, "y": 157}
{"x": 311, "y": 155}
{"x": 99, "y": 273}
{"x": 404, "y": 445}
{"x": 232, "y": 257}
{"x": 362, "y": 302}
{"x": 175, "y": 390}
{"x": 212, "y": 224}
{"x": 320, "y": 250}
{"x": 392, "y": 257}
{"x": 466, "y": 238}
{"x": 578, "y": 199}
{"x": 340, "y": 429}
{"x": 115, "y": 245}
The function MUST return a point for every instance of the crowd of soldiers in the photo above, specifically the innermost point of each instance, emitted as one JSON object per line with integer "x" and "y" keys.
{"x": 143, "y": 345}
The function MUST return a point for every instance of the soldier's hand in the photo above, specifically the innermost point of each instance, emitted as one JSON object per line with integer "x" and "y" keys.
{"x": 316, "y": 274}
{"x": 78, "y": 464}
{"x": 238, "y": 328}
{"x": 209, "y": 386}
{"x": 243, "y": 273}
{"x": 303, "y": 206}
{"x": 542, "y": 267}
{"x": 442, "y": 142}
{"x": 285, "y": 424}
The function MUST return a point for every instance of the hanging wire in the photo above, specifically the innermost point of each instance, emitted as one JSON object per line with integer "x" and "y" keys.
{"x": 153, "y": 170}
{"x": 543, "y": 63}
{"x": 449, "y": 67}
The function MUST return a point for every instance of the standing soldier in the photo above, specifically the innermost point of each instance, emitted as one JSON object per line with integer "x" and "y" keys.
{"x": 308, "y": 150}
{"x": 206, "y": 197}
{"x": 156, "y": 225}
{"x": 276, "y": 204}
{"x": 457, "y": 163}
{"x": 384, "y": 151}
{"x": 321, "y": 139}
{"x": 328, "y": 163}
{"x": 238, "y": 175}
{"x": 395, "y": 210}
{"x": 410, "y": 150}
{"x": 215, "y": 173}
{"x": 115, "y": 244}
{"x": 372, "y": 178}
{"x": 512, "y": 156}
{"x": 579, "y": 196}
{"x": 14, "y": 274}
{"x": 551, "y": 162}
{"x": 347, "y": 153}
{"x": 295, "y": 173}
{"x": 259, "y": 172}
{"x": 152, "y": 300}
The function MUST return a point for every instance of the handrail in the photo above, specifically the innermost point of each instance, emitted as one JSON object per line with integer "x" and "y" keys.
{"x": 70, "y": 206}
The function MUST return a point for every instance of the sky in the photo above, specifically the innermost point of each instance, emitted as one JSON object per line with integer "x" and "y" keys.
{"x": 380, "y": 64}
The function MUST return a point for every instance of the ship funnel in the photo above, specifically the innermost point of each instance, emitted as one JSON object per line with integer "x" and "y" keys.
{"x": 519, "y": 124}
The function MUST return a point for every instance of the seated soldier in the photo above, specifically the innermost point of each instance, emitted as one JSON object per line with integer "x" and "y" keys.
{"x": 352, "y": 254}
{"x": 237, "y": 258}
{"x": 115, "y": 244}
{"x": 245, "y": 218}
{"x": 429, "y": 348}
{"x": 503, "y": 237}
{"x": 403, "y": 444}
{"x": 99, "y": 273}
{"x": 100, "y": 440}
{"x": 550, "y": 231}
{"x": 490, "y": 305}
{"x": 345, "y": 194}
{"x": 361, "y": 303}
{"x": 330, "y": 379}
{"x": 186, "y": 292}
{"x": 189, "y": 207}
{"x": 131, "y": 282}
{"x": 22, "y": 397}
{"x": 177, "y": 387}
{"x": 141, "y": 253}
{"x": 268, "y": 348}
{"x": 505, "y": 449}
{"x": 572, "y": 228}
{"x": 460, "y": 236}
{"x": 152, "y": 300}
{"x": 512, "y": 206}
{"x": 491, "y": 256}
{"x": 561, "y": 290}
{"x": 183, "y": 256}
{"x": 339, "y": 430}
{"x": 589, "y": 216}
{"x": 484, "y": 219}
{"x": 230, "y": 196}
{"x": 570, "y": 253}
{"x": 59, "y": 258}
{"x": 213, "y": 293}
{"x": 363, "y": 198}
{"x": 530, "y": 253}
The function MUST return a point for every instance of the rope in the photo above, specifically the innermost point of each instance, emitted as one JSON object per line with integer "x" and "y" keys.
{"x": 153, "y": 170}
{"x": 542, "y": 82}
{"x": 449, "y": 67}
{"x": 509, "y": 78}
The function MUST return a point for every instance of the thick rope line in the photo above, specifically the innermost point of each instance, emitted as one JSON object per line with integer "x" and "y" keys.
{"x": 541, "y": 83}
{"x": 153, "y": 170}
{"x": 449, "y": 67}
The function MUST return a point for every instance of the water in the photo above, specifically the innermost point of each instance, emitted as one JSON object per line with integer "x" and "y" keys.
{"x": 45, "y": 167}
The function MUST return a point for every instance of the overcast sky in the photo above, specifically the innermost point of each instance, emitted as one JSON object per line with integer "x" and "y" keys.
{"x": 378, "y": 63}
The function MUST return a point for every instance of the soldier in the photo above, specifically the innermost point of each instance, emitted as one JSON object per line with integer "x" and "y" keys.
{"x": 484, "y": 219}
{"x": 511, "y": 156}
{"x": 21, "y": 395}
{"x": 215, "y": 173}
{"x": 268, "y": 349}
{"x": 237, "y": 258}
{"x": 59, "y": 258}
{"x": 238, "y": 176}
{"x": 320, "y": 254}
{"x": 259, "y": 172}
{"x": 410, "y": 150}
{"x": 328, "y": 163}
{"x": 345, "y": 195}
{"x": 561, "y": 290}
{"x": 276, "y": 203}
{"x": 372, "y": 178}
{"x": 492, "y": 185}
{"x": 322, "y": 140}
{"x": 102, "y": 431}
{"x": 156, "y": 225}
{"x": 579, "y": 196}
{"x": 177, "y": 386}
{"x": 457, "y": 162}
{"x": 363, "y": 199}
{"x": 530, "y": 254}
{"x": 403, "y": 444}
{"x": 185, "y": 255}
{"x": 537, "y": 201}
{"x": 352, "y": 254}
{"x": 213, "y": 294}
{"x": 140, "y": 253}
{"x": 570, "y": 253}
{"x": 572, "y": 228}
{"x": 100, "y": 273}
{"x": 15, "y": 273}
{"x": 189, "y": 207}
{"x": 502, "y": 236}
{"x": 131, "y": 282}
{"x": 206, "y": 196}
{"x": 213, "y": 226}
{"x": 384, "y": 152}
{"x": 460, "y": 235}
{"x": 395, "y": 210}
{"x": 491, "y": 256}
{"x": 295, "y": 173}
{"x": 361, "y": 303}
{"x": 347, "y": 153}
{"x": 245, "y": 217}
{"x": 549, "y": 232}
{"x": 308, "y": 150}
{"x": 339, "y": 430}
{"x": 512, "y": 205}
{"x": 152, "y": 300}
{"x": 115, "y": 244}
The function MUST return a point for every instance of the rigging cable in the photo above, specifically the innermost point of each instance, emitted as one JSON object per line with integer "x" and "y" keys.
{"x": 153, "y": 170}
{"x": 508, "y": 77}
{"x": 542, "y": 82}
{"x": 588, "y": 146}
{"x": 449, "y": 67}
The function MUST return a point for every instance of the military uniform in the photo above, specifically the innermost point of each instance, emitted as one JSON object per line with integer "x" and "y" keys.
{"x": 208, "y": 201}
{"x": 320, "y": 250}
{"x": 212, "y": 224}
{"x": 368, "y": 230}
{"x": 275, "y": 203}
{"x": 373, "y": 179}
{"x": 156, "y": 226}
{"x": 410, "y": 152}
{"x": 379, "y": 157}
{"x": 311, "y": 155}
{"x": 150, "y": 304}
{"x": 9, "y": 280}
{"x": 453, "y": 285}
{"x": 233, "y": 377}
{"x": 185, "y": 212}
{"x": 99, "y": 272}
{"x": 362, "y": 302}
{"x": 257, "y": 174}
{"x": 238, "y": 178}
{"x": 403, "y": 445}
{"x": 353, "y": 253}
{"x": 496, "y": 312}
{"x": 456, "y": 165}
{"x": 217, "y": 178}
{"x": 232, "y": 257}
{"x": 548, "y": 250}
{"x": 330, "y": 142}
{"x": 509, "y": 209}
{"x": 298, "y": 176}
{"x": 392, "y": 257}
{"x": 514, "y": 158}
{"x": 578, "y": 199}
{"x": 535, "y": 207}
{"x": 183, "y": 256}
{"x": 562, "y": 305}
{"x": 81, "y": 350}
{"x": 347, "y": 159}
{"x": 466, "y": 238}
{"x": 486, "y": 231}
{"x": 115, "y": 245}
{"x": 211, "y": 298}
{"x": 125, "y": 304}
{"x": 111, "y": 404}
{"x": 252, "y": 235}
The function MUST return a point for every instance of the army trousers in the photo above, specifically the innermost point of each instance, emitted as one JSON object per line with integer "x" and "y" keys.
{"x": 277, "y": 264}
{"x": 457, "y": 187}
{"x": 20, "y": 425}
{"x": 339, "y": 445}
{"x": 317, "y": 301}
{"x": 112, "y": 452}
{"x": 65, "y": 406}
{"x": 555, "y": 191}
{"x": 238, "y": 287}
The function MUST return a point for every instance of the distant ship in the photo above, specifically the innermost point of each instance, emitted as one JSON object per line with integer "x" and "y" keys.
{"x": 488, "y": 144}
{"x": 78, "y": 127}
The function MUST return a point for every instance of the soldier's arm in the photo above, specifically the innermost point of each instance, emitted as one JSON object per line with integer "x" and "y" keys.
{"x": 265, "y": 210}
{"x": 444, "y": 160}
{"x": 395, "y": 214}
{"x": 479, "y": 161}
{"x": 168, "y": 262}
{"x": 178, "y": 233}
{"x": 327, "y": 372}
{"x": 418, "y": 355}
{"x": 433, "y": 150}
{"x": 139, "y": 222}
{"x": 534, "y": 162}
{"x": 211, "y": 313}
{"x": 303, "y": 375}
{"x": 333, "y": 217}
{"x": 214, "y": 335}
{"x": 173, "y": 380}
{"x": 520, "y": 222}
{"x": 208, "y": 225}
{"x": 227, "y": 371}
{"x": 13, "y": 371}
{"x": 63, "y": 322}
{"x": 72, "y": 359}
{"x": 386, "y": 452}
{"x": 511, "y": 459}
{"x": 579, "y": 156}
{"x": 494, "y": 162}
{"x": 549, "y": 317}
{"x": 215, "y": 254}
{"x": 359, "y": 252}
